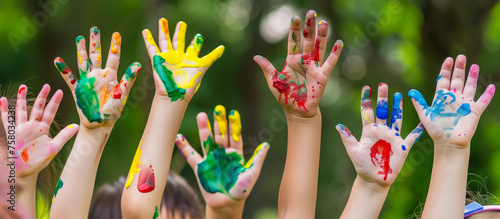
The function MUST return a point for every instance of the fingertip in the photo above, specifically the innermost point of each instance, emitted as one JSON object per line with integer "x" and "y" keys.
{"x": 448, "y": 64}
{"x": 311, "y": 13}
{"x": 180, "y": 141}
{"x": 79, "y": 39}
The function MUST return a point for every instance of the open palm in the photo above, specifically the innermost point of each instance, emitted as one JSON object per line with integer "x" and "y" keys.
{"x": 300, "y": 85}
{"x": 381, "y": 152}
{"x": 98, "y": 95}
{"x": 34, "y": 149}
{"x": 453, "y": 115}
{"x": 223, "y": 174}
{"x": 178, "y": 72}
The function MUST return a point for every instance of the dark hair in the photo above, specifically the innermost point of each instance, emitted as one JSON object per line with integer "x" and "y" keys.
{"x": 178, "y": 197}
{"x": 47, "y": 178}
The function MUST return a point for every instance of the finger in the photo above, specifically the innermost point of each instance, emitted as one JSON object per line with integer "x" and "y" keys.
{"x": 4, "y": 110}
{"x": 331, "y": 61}
{"x": 382, "y": 104}
{"x": 179, "y": 39}
{"x": 21, "y": 112}
{"x": 413, "y": 137}
{"x": 321, "y": 40}
{"x": 150, "y": 43}
{"x": 397, "y": 112}
{"x": 345, "y": 134}
{"x": 458, "y": 78}
{"x": 37, "y": 109}
{"x": 418, "y": 102}
{"x": 257, "y": 159}
{"x": 366, "y": 106}
{"x": 83, "y": 63}
{"x": 220, "y": 126}
{"x": 188, "y": 152}
{"x": 66, "y": 73}
{"x": 471, "y": 84}
{"x": 114, "y": 52}
{"x": 95, "y": 48}
{"x": 235, "y": 140}
{"x": 123, "y": 88}
{"x": 485, "y": 99}
{"x": 64, "y": 135}
{"x": 205, "y": 132}
{"x": 443, "y": 80}
{"x": 266, "y": 66}
{"x": 294, "y": 36}
{"x": 50, "y": 111}
{"x": 164, "y": 36}
{"x": 309, "y": 33}
{"x": 195, "y": 45}
{"x": 208, "y": 60}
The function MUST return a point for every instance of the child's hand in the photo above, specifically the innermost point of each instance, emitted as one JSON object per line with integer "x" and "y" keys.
{"x": 380, "y": 154}
{"x": 223, "y": 175}
{"x": 300, "y": 85}
{"x": 98, "y": 95}
{"x": 178, "y": 73}
{"x": 34, "y": 148}
{"x": 453, "y": 116}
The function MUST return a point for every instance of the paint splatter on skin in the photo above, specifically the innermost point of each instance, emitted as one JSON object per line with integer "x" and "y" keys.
{"x": 86, "y": 97}
{"x": 397, "y": 112}
{"x": 116, "y": 43}
{"x": 167, "y": 78}
{"x": 146, "y": 181}
{"x": 156, "y": 214}
{"x": 219, "y": 171}
{"x": 220, "y": 117}
{"x": 59, "y": 185}
{"x": 439, "y": 77}
{"x": 290, "y": 89}
{"x": 344, "y": 130}
{"x": 135, "y": 166}
{"x": 180, "y": 140}
{"x": 383, "y": 110}
{"x": 440, "y": 109}
{"x": 420, "y": 129}
{"x": 177, "y": 69}
{"x": 380, "y": 154}
{"x": 235, "y": 120}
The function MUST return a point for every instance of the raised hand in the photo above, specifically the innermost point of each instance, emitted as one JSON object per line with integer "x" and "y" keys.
{"x": 300, "y": 85}
{"x": 178, "y": 73}
{"x": 380, "y": 153}
{"x": 98, "y": 95}
{"x": 453, "y": 116}
{"x": 223, "y": 174}
{"x": 34, "y": 148}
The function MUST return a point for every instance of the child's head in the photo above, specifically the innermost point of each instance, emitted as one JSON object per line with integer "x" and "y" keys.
{"x": 179, "y": 200}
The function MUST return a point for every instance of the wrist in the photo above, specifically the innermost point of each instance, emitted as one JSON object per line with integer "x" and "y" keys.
{"x": 371, "y": 186}
{"x": 450, "y": 149}
{"x": 302, "y": 119}
{"x": 234, "y": 210}
{"x": 166, "y": 101}
{"x": 26, "y": 183}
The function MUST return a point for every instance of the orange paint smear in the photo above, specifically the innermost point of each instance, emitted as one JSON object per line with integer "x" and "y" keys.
{"x": 25, "y": 155}
{"x": 114, "y": 48}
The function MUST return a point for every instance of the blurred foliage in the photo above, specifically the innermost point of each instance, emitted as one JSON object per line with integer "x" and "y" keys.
{"x": 401, "y": 43}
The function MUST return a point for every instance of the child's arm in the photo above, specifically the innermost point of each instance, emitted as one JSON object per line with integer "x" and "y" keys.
{"x": 224, "y": 177}
{"x": 99, "y": 99}
{"x": 451, "y": 121}
{"x": 31, "y": 145}
{"x": 379, "y": 155}
{"x": 177, "y": 76}
{"x": 299, "y": 88}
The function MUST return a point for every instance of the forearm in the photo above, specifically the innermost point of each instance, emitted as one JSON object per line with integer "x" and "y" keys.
{"x": 365, "y": 201}
{"x": 156, "y": 150}
{"x": 26, "y": 189}
{"x": 229, "y": 212}
{"x": 446, "y": 196}
{"x": 298, "y": 189}
{"x": 76, "y": 183}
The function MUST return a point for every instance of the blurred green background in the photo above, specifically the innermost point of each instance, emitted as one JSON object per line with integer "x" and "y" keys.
{"x": 401, "y": 43}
